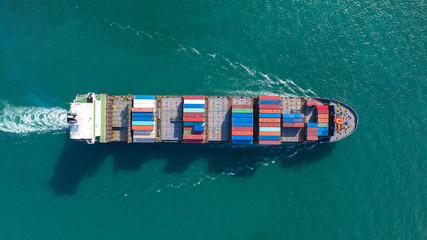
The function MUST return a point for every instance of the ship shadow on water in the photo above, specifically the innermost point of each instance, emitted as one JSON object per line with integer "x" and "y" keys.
{"x": 78, "y": 159}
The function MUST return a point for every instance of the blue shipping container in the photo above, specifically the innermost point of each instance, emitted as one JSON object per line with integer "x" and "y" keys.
{"x": 142, "y": 118}
{"x": 142, "y": 114}
{"x": 243, "y": 120}
{"x": 298, "y": 120}
{"x": 270, "y": 102}
{"x": 298, "y": 115}
{"x": 269, "y": 115}
{"x": 288, "y": 115}
{"x": 288, "y": 120}
{"x": 242, "y": 115}
{"x": 241, "y": 141}
{"x": 242, "y": 137}
{"x": 269, "y": 138}
{"x": 243, "y": 124}
{"x": 144, "y": 96}
{"x": 199, "y": 128}
{"x": 311, "y": 124}
{"x": 194, "y": 105}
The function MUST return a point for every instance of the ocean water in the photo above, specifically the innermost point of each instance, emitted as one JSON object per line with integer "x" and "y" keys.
{"x": 369, "y": 54}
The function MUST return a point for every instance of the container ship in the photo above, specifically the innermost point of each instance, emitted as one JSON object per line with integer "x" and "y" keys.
{"x": 264, "y": 120}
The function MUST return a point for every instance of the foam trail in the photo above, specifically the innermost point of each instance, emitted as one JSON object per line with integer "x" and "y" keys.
{"x": 25, "y": 120}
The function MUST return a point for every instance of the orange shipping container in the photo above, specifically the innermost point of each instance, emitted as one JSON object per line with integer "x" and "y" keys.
{"x": 269, "y": 120}
{"x": 142, "y": 127}
{"x": 322, "y": 116}
{"x": 269, "y": 110}
{"x": 142, "y": 109}
{"x": 269, "y": 124}
{"x": 270, "y": 106}
{"x": 269, "y": 133}
{"x": 242, "y": 133}
{"x": 323, "y": 120}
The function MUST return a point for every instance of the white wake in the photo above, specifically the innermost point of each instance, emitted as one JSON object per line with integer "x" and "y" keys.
{"x": 24, "y": 120}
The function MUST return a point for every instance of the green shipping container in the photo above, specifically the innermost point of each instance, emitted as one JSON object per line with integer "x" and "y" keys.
{"x": 142, "y": 123}
{"x": 188, "y": 132}
{"x": 322, "y": 125}
{"x": 243, "y": 110}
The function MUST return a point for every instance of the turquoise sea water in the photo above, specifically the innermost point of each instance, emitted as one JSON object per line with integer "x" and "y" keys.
{"x": 370, "y": 55}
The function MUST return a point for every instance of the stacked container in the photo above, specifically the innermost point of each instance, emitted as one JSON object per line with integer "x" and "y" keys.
{"x": 323, "y": 120}
{"x": 293, "y": 120}
{"x": 194, "y": 119}
{"x": 143, "y": 118}
{"x": 242, "y": 124}
{"x": 269, "y": 119}
{"x": 312, "y": 132}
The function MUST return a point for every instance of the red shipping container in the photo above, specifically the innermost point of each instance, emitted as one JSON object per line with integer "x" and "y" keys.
{"x": 265, "y": 142}
{"x": 322, "y": 111}
{"x": 299, "y": 125}
{"x": 269, "y": 120}
{"x": 323, "y": 120}
{"x": 142, "y": 127}
{"x": 312, "y": 103}
{"x": 197, "y": 115}
{"x": 196, "y": 97}
{"x": 242, "y": 133}
{"x": 269, "y": 124}
{"x": 323, "y": 107}
{"x": 188, "y": 127}
{"x": 270, "y": 98}
{"x": 312, "y": 138}
{"x": 242, "y": 128}
{"x": 311, "y": 133}
{"x": 269, "y": 133}
{"x": 269, "y": 111}
{"x": 312, "y": 129}
{"x": 194, "y": 141}
{"x": 194, "y": 119}
{"x": 240, "y": 106}
{"x": 270, "y": 106}
{"x": 193, "y": 137}
{"x": 142, "y": 109}
{"x": 288, "y": 125}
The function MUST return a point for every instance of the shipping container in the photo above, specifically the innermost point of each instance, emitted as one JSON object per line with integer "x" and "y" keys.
{"x": 234, "y": 120}
{"x": 143, "y": 132}
{"x": 194, "y": 119}
{"x": 142, "y": 114}
{"x": 241, "y": 106}
{"x": 269, "y": 138}
{"x": 241, "y": 137}
{"x": 241, "y": 141}
{"x": 144, "y": 105}
{"x": 142, "y": 123}
{"x": 242, "y": 115}
{"x": 144, "y": 101}
{"x": 242, "y": 128}
{"x": 298, "y": 120}
{"x": 264, "y": 142}
{"x": 288, "y": 124}
{"x": 323, "y": 120}
{"x": 299, "y": 125}
{"x": 194, "y": 141}
{"x": 193, "y": 137}
{"x": 312, "y": 138}
{"x": 322, "y": 116}
{"x": 199, "y": 128}
{"x": 288, "y": 120}
{"x": 312, "y": 125}
{"x": 144, "y": 140}
{"x": 198, "y": 115}
{"x": 194, "y": 101}
{"x": 188, "y": 127}
{"x": 269, "y": 129}
{"x": 322, "y": 125}
{"x": 198, "y": 97}
{"x": 269, "y": 120}
{"x": 270, "y": 106}
{"x": 142, "y": 127}
{"x": 270, "y": 98}
{"x": 270, "y": 102}
{"x": 142, "y": 109}
{"x": 269, "y": 133}
{"x": 312, "y": 133}
{"x": 322, "y": 107}
{"x": 244, "y": 133}
{"x": 269, "y": 115}
{"x": 269, "y": 124}
{"x": 269, "y": 111}
{"x": 194, "y": 110}
{"x": 142, "y": 118}
{"x": 243, "y": 124}
{"x": 144, "y": 96}
{"x": 189, "y": 105}
{"x": 242, "y": 110}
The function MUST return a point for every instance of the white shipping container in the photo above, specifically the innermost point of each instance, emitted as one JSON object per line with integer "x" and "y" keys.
{"x": 144, "y": 101}
{"x": 193, "y": 101}
{"x": 144, "y": 105}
